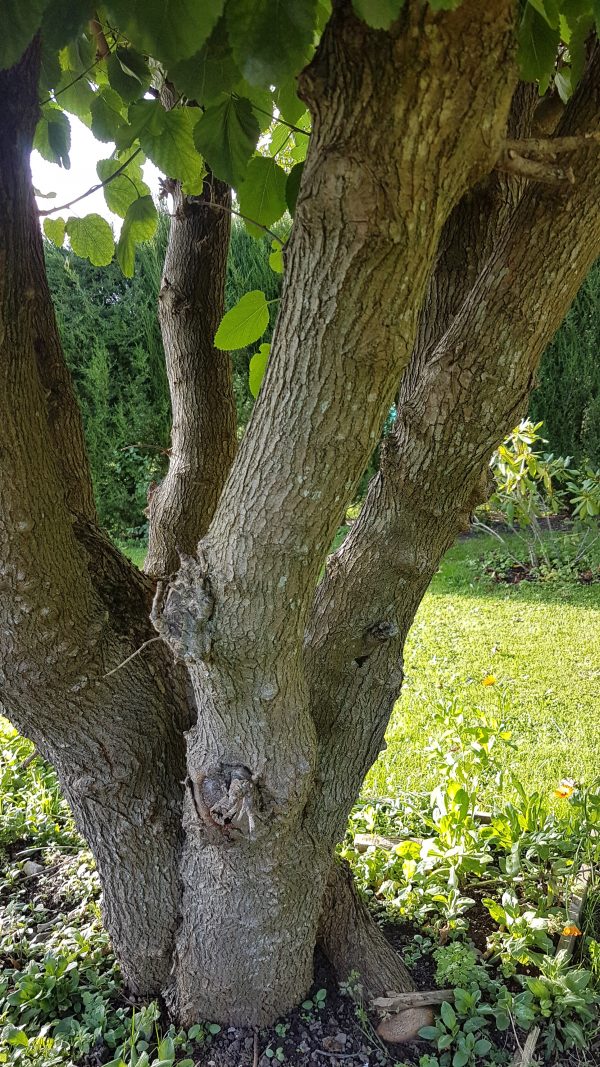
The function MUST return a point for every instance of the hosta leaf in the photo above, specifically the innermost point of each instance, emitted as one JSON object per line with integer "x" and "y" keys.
{"x": 139, "y": 225}
{"x": 107, "y": 115}
{"x": 257, "y": 368}
{"x": 271, "y": 39}
{"x": 245, "y": 323}
{"x": 262, "y": 193}
{"x": 55, "y": 231}
{"x": 292, "y": 186}
{"x": 91, "y": 238}
{"x": 123, "y": 190}
{"x": 538, "y": 44}
{"x": 169, "y": 30}
{"x": 378, "y": 13}
{"x": 20, "y": 22}
{"x": 53, "y": 136}
{"x": 226, "y": 136}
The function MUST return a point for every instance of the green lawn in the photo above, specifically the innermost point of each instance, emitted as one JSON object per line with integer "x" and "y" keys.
{"x": 541, "y": 641}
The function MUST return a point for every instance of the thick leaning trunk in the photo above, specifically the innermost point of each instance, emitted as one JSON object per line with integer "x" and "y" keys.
{"x": 71, "y": 607}
{"x": 236, "y": 613}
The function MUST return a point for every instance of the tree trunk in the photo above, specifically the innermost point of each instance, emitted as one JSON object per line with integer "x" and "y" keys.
{"x": 236, "y": 613}
{"x": 291, "y": 691}
{"x": 71, "y": 607}
{"x": 203, "y": 443}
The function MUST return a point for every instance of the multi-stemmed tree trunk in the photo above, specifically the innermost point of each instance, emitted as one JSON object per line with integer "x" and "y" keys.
{"x": 213, "y": 772}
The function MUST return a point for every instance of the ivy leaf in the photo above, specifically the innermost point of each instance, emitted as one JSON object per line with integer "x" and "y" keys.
{"x": 123, "y": 190}
{"x": 139, "y": 225}
{"x": 257, "y": 368}
{"x": 378, "y": 13}
{"x": 271, "y": 39}
{"x": 55, "y": 231}
{"x": 169, "y": 30}
{"x": 226, "y": 136}
{"x": 20, "y": 22}
{"x": 538, "y": 44}
{"x": 292, "y": 186}
{"x": 128, "y": 74}
{"x": 107, "y": 115}
{"x": 53, "y": 136}
{"x": 210, "y": 72}
{"x": 91, "y": 238}
{"x": 262, "y": 193}
{"x": 244, "y": 323}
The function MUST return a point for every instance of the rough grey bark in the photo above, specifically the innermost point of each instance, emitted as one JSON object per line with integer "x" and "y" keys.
{"x": 236, "y": 613}
{"x": 203, "y": 442}
{"x": 71, "y": 607}
{"x": 286, "y": 724}
{"x": 466, "y": 395}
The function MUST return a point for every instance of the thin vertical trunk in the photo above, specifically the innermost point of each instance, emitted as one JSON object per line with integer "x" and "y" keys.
{"x": 203, "y": 443}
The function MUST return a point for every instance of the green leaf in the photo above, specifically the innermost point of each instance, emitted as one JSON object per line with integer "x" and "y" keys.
{"x": 123, "y": 190}
{"x": 91, "y": 238}
{"x": 168, "y": 30}
{"x": 549, "y": 10}
{"x": 429, "y": 1033}
{"x": 139, "y": 225}
{"x": 55, "y": 231}
{"x": 378, "y": 13}
{"x": 292, "y": 186}
{"x": 262, "y": 193}
{"x": 166, "y": 1049}
{"x": 20, "y": 22}
{"x": 167, "y": 138}
{"x": 287, "y": 102}
{"x": 257, "y": 368}
{"x": 448, "y": 1015}
{"x": 75, "y": 95}
{"x": 271, "y": 39}
{"x": 460, "y": 1058}
{"x": 276, "y": 257}
{"x": 128, "y": 74}
{"x": 482, "y": 1046}
{"x": 210, "y": 72}
{"x": 226, "y": 136}
{"x": 578, "y": 47}
{"x": 244, "y": 323}
{"x": 53, "y": 136}
{"x": 538, "y": 45}
{"x": 63, "y": 20}
{"x": 107, "y": 115}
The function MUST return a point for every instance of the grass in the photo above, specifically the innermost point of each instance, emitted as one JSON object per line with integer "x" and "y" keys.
{"x": 541, "y": 641}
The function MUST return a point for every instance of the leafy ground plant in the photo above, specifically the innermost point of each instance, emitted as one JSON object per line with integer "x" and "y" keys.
{"x": 487, "y": 892}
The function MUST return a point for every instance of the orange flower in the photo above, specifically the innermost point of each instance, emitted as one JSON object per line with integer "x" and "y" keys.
{"x": 490, "y": 679}
{"x": 565, "y": 789}
{"x": 571, "y": 931}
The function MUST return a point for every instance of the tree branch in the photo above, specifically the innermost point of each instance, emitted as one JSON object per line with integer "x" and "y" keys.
{"x": 453, "y": 409}
{"x": 93, "y": 188}
{"x": 190, "y": 308}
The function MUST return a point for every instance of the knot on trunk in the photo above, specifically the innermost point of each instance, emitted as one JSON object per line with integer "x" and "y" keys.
{"x": 227, "y": 798}
{"x": 182, "y": 612}
{"x": 373, "y": 637}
